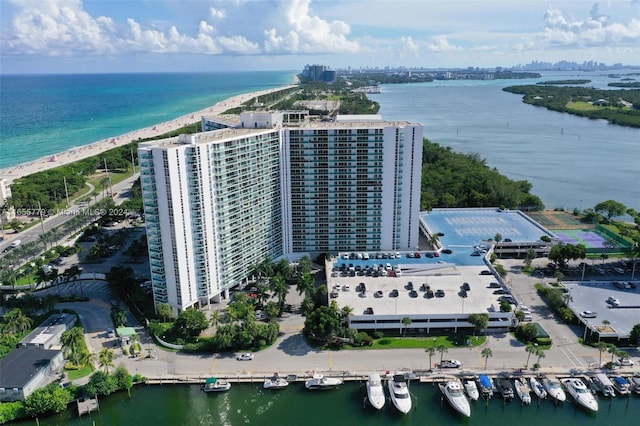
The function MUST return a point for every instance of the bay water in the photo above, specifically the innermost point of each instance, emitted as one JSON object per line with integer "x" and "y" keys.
{"x": 249, "y": 404}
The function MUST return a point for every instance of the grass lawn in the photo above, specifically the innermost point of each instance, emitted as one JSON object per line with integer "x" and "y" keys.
{"x": 581, "y": 106}
{"x": 455, "y": 341}
{"x": 76, "y": 374}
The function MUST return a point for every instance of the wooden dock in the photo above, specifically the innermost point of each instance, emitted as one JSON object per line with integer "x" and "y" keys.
{"x": 87, "y": 405}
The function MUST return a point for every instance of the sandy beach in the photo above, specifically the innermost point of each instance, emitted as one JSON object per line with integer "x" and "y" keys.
{"x": 79, "y": 153}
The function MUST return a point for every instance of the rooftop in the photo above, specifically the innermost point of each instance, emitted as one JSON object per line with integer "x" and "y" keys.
{"x": 20, "y": 366}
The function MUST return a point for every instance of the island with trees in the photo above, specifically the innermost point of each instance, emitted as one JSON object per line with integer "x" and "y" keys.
{"x": 621, "y": 107}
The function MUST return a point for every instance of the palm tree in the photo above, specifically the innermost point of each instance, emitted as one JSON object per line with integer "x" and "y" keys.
{"x": 406, "y": 321}
{"x": 305, "y": 284}
{"x": 431, "y": 351}
{"x": 105, "y": 358}
{"x": 73, "y": 344}
{"x": 614, "y": 351}
{"x": 280, "y": 289}
{"x": 486, "y": 354}
{"x": 17, "y": 321}
{"x": 602, "y": 347}
{"x": 540, "y": 354}
{"x": 442, "y": 349}
{"x": 434, "y": 240}
{"x": 530, "y": 350}
{"x": 345, "y": 313}
{"x": 216, "y": 318}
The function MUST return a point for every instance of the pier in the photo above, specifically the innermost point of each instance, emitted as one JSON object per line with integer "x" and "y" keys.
{"x": 87, "y": 405}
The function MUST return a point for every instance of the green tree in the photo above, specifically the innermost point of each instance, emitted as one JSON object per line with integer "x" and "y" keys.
{"x": 479, "y": 322}
{"x": 531, "y": 255}
{"x": 100, "y": 383}
{"x": 530, "y": 349}
{"x": 191, "y": 322}
{"x": 406, "y": 322}
{"x": 49, "y": 399}
{"x": 280, "y": 289}
{"x": 305, "y": 265}
{"x": 272, "y": 310}
{"x": 614, "y": 351}
{"x": 105, "y": 359}
{"x": 634, "y": 336}
{"x": 611, "y": 209}
{"x": 322, "y": 323}
{"x": 486, "y": 354}
{"x": 215, "y": 318}
{"x": 165, "y": 311}
{"x": 122, "y": 378}
{"x": 305, "y": 284}
{"x": 16, "y": 321}
{"x": 73, "y": 344}
{"x": 539, "y": 353}
{"x": 431, "y": 351}
{"x": 528, "y": 332}
{"x": 602, "y": 347}
{"x": 119, "y": 317}
{"x": 442, "y": 349}
{"x": 345, "y": 313}
{"x": 561, "y": 253}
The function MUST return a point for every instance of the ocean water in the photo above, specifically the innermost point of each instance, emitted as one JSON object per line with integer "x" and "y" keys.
{"x": 42, "y": 115}
{"x": 296, "y": 406}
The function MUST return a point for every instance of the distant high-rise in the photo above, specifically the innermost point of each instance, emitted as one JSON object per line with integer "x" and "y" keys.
{"x": 318, "y": 73}
{"x": 219, "y": 202}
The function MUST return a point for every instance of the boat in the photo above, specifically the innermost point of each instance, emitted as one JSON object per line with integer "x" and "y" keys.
{"x": 538, "y": 388}
{"x": 319, "y": 382}
{"x": 578, "y": 390}
{"x": 505, "y": 388}
{"x": 400, "y": 393}
{"x": 471, "y": 389}
{"x": 635, "y": 383}
{"x": 523, "y": 391}
{"x": 604, "y": 385}
{"x": 213, "y": 384}
{"x": 452, "y": 390}
{"x": 375, "y": 391}
{"x": 554, "y": 388}
{"x": 276, "y": 382}
{"x": 621, "y": 385}
{"x": 486, "y": 386}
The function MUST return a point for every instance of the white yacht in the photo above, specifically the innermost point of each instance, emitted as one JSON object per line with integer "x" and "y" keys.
{"x": 375, "y": 391}
{"x": 621, "y": 385}
{"x": 454, "y": 394}
{"x": 319, "y": 382}
{"x": 486, "y": 386}
{"x": 472, "y": 389}
{"x": 635, "y": 383}
{"x": 554, "y": 388}
{"x": 538, "y": 388}
{"x": 400, "y": 393}
{"x": 213, "y": 384}
{"x": 604, "y": 385}
{"x": 523, "y": 391}
{"x": 578, "y": 390}
{"x": 276, "y": 382}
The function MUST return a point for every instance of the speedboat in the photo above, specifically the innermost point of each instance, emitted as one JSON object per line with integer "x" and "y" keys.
{"x": 621, "y": 385}
{"x": 505, "y": 388}
{"x": 486, "y": 386}
{"x": 635, "y": 383}
{"x": 604, "y": 385}
{"x": 375, "y": 391}
{"x": 276, "y": 382}
{"x": 554, "y": 388}
{"x": 454, "y": 394}
{"x": 319, "y": 382}
{"x": 400, "y": 393}
{"x": 213, "y": 384}
{"x": 523, "y": 391}
{"x": 471, "y": 389}
{"x": 578, "y": 390}
{"x": 538, "y": 388}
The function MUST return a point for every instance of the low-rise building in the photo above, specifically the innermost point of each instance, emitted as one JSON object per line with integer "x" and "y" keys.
{"x": 48, "y": 335}
{"x": 25, "y": 370}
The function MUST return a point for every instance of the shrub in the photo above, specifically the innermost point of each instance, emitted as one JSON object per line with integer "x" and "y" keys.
{"x": 378, "y": 334}
{"x": 10, "y": 411}
{"x": 544, "y": 341}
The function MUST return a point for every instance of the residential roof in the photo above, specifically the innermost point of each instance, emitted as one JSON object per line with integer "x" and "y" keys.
{"x": 20, "y": 366}
{"x": 52, "y": 327}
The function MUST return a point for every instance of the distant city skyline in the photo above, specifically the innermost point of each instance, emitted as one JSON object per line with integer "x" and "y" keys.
{"x": 86, "y": 36}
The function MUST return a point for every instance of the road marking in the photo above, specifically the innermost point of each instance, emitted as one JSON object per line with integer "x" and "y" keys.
{"x": 330, "y": 361}
{"x": 572, "y": 357}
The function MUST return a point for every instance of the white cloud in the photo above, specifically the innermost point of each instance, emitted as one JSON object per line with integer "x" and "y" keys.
{"x": 440, "y": 44}
{"x": 308, "y": 33}
{"x": 217, "y": 13}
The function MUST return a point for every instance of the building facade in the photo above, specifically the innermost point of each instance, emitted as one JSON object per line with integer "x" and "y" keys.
{"x": 219, "y": 202}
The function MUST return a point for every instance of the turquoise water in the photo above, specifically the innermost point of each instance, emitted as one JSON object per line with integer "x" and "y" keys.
{"x": 42, "y": 115}
{"x": 251, "y": 405}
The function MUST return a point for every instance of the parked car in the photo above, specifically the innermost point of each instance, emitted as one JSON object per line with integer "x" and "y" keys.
{"x": 110, "y": 333}
{"x": 494, "y": 285}
{"x": 485, "y": 272}
{"x": 613, "y": 301}
{"x": 244, "y": 357}
{"x": 624, "y": 362}
{"x": 450, "y": 363}
{"x": 439, "y": 293}
{"x": 588, "y": 314}
{"x": 466, "y": 287}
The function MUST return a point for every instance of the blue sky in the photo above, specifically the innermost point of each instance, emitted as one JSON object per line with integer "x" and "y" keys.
{"x": 219, "y": 35}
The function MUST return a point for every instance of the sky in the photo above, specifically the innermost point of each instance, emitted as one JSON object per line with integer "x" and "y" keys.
{"x": 95, "y": 36}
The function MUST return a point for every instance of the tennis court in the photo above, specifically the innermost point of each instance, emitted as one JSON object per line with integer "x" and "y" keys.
{"x": 591, "y": 238}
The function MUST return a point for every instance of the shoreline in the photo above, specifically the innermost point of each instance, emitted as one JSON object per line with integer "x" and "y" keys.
{"x": 94, "y": 148}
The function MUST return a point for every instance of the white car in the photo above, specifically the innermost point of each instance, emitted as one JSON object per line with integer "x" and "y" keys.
{"x": 613, "y": 301}
{"x": 624, "y": 362}
{"x": 450, "y": 363}
{"x": 244, "y": 357}
{"x": 588, "y": 314}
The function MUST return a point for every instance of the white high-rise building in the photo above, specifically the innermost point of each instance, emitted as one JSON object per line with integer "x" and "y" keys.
{"x": 219, "y": 202}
